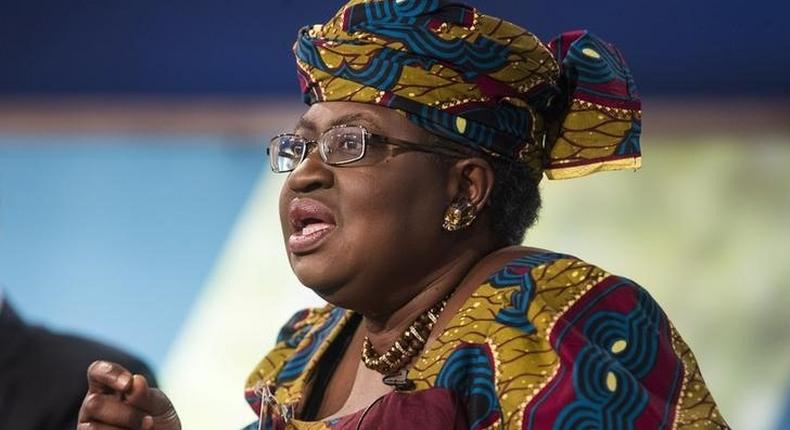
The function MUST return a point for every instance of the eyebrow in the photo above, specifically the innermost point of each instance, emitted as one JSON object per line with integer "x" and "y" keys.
{"x": 305, "y": 124}
{"x": 356, "y": 117}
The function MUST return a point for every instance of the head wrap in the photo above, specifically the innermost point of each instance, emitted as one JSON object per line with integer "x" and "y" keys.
{"x": 567, "y": 109}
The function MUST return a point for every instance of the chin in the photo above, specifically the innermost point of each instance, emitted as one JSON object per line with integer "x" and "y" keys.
{"x": 319, "y": 274}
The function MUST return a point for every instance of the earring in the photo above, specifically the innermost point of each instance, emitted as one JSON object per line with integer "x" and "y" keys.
{"x": 459, "y": 215}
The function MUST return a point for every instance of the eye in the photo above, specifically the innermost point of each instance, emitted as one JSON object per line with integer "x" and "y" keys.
{"x": 290, "y": 147}
{"x": 346, "y": 139}
{"x": 288, "y": 153}
{"x": 350, "y": 142}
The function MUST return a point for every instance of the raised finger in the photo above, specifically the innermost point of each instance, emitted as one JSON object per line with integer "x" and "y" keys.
{"x": 106, "y": 377}
{"x": 147, "y": 399}
{"x": 139, "y": 394}
{"x": 108, "y": 409}
{"x": 154, "y": 402}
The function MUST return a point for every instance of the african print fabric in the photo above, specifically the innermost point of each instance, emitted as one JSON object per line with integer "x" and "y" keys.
{"x": 547, "y": 342}
{"x": 568, "y": 109}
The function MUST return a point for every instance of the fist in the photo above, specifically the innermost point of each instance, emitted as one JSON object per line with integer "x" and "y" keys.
{"x": 116, "y": 400}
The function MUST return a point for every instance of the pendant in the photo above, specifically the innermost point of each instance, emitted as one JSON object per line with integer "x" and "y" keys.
{"x": 399, "y": 381}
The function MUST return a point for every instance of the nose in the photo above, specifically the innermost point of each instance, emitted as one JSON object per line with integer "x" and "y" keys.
{"x": 311, "y": 174}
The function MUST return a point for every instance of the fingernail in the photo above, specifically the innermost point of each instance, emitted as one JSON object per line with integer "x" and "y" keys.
{"x": 148, "y": 422}
{"x": 123, "y": 379}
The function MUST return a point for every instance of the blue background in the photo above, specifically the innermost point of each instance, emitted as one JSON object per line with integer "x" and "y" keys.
{"x": 241, "y": 48}
{"x": 112, "y": 236}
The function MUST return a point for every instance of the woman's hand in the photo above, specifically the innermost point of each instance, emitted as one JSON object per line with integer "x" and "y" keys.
{"x": 117, "y": 400}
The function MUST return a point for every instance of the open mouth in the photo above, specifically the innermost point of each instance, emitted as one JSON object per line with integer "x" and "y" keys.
{"x": 312, "y": 222}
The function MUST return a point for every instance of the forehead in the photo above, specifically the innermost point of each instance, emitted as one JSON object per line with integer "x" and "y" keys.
{"x": 320, "y": 118}
{"x": 323, "y": 116}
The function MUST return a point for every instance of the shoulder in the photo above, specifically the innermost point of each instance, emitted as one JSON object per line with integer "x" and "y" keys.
{"x": 559, "y": 300}
{"x": 76, "y": 353}
{"x": 566, "y": 338}
{"x": 554, "y": 281}
{"x": 519, "y": 297}
{"x": 58, "y": 354}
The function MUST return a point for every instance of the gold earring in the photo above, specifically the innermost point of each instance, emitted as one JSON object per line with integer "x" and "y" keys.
{"x": 459, "y": 215}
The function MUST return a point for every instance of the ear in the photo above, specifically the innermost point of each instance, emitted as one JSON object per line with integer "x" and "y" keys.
{"x": 472, "y": 178}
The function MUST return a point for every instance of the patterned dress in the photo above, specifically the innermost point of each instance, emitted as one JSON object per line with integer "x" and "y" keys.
{"x": 547, "y": 342}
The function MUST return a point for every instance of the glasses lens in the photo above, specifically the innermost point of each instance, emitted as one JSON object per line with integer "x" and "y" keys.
{"x": 343, "y": 145}
{"x": 285, "y": 152}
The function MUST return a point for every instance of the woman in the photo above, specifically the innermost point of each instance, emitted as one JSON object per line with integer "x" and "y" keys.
{"x": 413, "y": 176}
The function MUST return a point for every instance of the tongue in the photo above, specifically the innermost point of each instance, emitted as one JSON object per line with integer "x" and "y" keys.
{"x": 315, "y": 227}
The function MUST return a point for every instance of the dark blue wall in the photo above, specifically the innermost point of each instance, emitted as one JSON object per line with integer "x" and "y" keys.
{"x": 242, "y": 47}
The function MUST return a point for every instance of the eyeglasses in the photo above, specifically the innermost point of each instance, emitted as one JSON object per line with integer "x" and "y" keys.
{"x": 339, "y": 145}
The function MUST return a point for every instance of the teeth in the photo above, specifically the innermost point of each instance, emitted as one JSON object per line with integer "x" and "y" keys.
{"x": 312, "y": 228}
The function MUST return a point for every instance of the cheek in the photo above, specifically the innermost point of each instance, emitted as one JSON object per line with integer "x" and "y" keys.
{"x": 284, "y": 199}
{"x": 388, "y": 211}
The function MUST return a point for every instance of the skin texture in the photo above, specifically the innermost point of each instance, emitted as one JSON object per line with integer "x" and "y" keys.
{"x": 387, "y": 257}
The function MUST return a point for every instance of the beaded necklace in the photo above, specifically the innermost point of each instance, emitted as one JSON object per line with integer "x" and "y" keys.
{"x": 393, "y": 361}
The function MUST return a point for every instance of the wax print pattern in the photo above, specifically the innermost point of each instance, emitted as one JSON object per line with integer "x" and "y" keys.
{"x": 547, "y": 342}
{"x": 567, "y": 109}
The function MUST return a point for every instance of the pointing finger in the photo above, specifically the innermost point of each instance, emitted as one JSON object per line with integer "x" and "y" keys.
{"x": 147, "y": 399}
{"x": 154, "y": 402}
{"x": 106, "y": 377}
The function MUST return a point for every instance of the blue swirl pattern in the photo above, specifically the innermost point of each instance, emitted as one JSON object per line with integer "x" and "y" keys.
{"x": 519, "y": 273}
{"x": 605, "y": 66}
{"x": 621, "y": 350}
{"x": 296, "y": 363}
{"x": 469, "y": 372}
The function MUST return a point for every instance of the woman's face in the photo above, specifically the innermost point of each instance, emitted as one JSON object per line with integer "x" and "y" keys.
{"x": 355, "y": 233}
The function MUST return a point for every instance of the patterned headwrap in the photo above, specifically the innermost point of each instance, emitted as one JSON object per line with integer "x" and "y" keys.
{"x": 567, "y": 109}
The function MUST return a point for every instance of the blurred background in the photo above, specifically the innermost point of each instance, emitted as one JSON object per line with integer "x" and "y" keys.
{"x": 136, "y": 206}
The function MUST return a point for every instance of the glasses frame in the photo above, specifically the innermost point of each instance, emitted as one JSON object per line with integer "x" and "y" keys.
{"x": 367, "y": 137}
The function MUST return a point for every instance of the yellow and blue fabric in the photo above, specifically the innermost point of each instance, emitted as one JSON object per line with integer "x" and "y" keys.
{"x": 547, "y": 342}
{"x": 567, "y": 109}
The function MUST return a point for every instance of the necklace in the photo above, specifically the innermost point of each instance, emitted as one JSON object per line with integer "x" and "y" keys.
{"x": 403, "y": 351}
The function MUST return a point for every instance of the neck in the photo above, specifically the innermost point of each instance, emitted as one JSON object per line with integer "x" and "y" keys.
{"x": 385, "y": 328}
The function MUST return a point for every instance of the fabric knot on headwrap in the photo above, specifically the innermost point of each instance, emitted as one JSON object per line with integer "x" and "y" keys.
{"x": 567, "y": 109}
